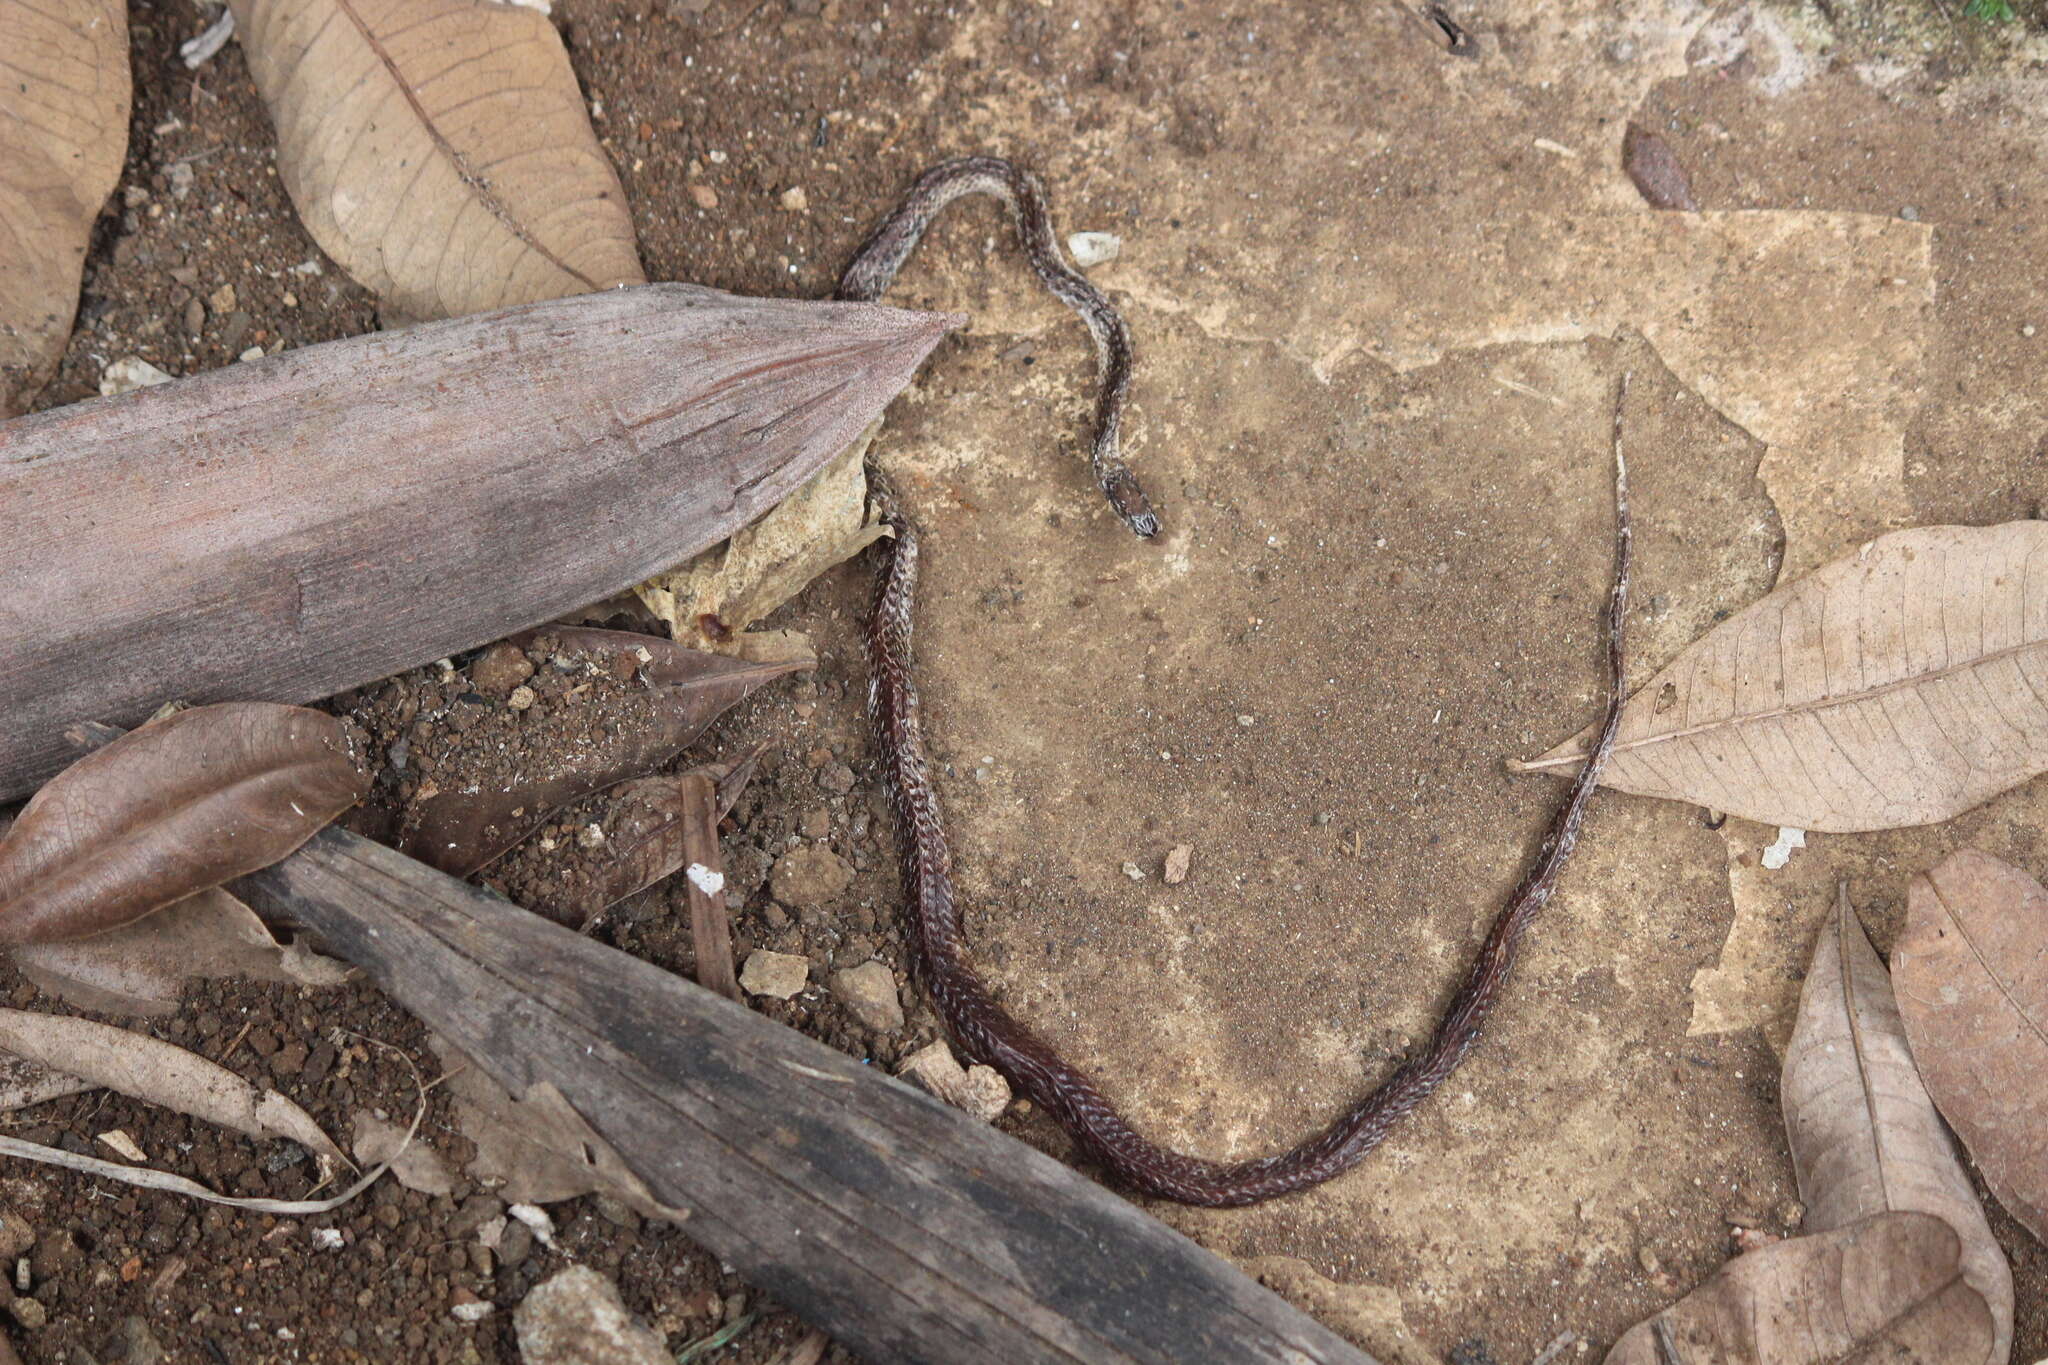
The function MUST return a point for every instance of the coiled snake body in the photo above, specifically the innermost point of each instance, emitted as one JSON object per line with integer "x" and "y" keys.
{"x": 981, "y": 1026}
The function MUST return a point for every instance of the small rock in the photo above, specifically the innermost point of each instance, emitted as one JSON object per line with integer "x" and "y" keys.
{"x": 1094, "y": 248}
{"x": 128, "y": 373}
{"x": 704, "y": 196}
{"x": 139, "y": 1345}
{"x": 522, "y": 698}
{"x": 794, "y": 200}
{"x": 515, "y": 1244}
{"x": 1134, "y": 872}
{"x": 222, "y": 300}
{"x": 465, "y": 1306}
{"x": 195, "y": 316}
{"x": 16, "y": 1236}
{"x": 590, "y": 836}
{"x": 476, "y": 1211}
{"x": 980, "y": 1090}
{"x": 869, "y": 990}
{"x": 1247, "y": 721}
{"x": 1910, "y": 214}
{"x": 28, "y": 1312}
{"x": 837, "y": 778}
{"x": 253, "y": 353}
{"x": 779, "y": 975}
{"x": 179, "y": 173}
{"x": 1177, "y": 859}
{"x": 809, "y": 877}
{"x": 500, "y": 668}
{"x": 577, "y": 1318}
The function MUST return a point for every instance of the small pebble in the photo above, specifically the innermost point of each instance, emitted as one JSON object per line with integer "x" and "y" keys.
{"x": 590, "y": 836}
{"x": 1910, "y": 214}
{"x": 869, "y": 990}
{"x": 1247, "y": 721}
{"x": 1177, "y": 859}
{"x": 1134, "y": 872}
{"x": 776, "y": 975}
{"x": 195, "y": 316}
{"x": 704, "y": 196}
{"x": 1094, "y": 248}
{"x": 522, "y": 697}
{"x": 794, "y": 200}
{"x": 222, "y": 300}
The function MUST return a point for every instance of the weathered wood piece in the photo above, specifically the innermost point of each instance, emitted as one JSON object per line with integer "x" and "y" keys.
{"x": 710, "y": 930}
{"x": 905, "y": 1228}
{"x": 285, "y": 528}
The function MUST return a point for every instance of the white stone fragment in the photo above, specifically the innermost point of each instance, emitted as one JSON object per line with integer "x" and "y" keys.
{"x": 1780, "y": 853}
{"x": 705, "y": 880}
{"x": 128, "y": 373}
{"x": 1094, "y": 248}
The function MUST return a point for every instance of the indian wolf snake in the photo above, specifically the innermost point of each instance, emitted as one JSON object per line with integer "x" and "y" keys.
{"x": 982, "y": 1027}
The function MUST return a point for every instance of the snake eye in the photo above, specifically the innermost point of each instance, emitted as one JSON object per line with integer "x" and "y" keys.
{"x": 1131, "y": 504}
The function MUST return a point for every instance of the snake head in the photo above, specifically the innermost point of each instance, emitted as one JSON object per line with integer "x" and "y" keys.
{"x": 1130, "y": 502}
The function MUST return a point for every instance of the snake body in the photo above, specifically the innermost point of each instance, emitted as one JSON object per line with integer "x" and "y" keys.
{"x": 987, "y": 1032}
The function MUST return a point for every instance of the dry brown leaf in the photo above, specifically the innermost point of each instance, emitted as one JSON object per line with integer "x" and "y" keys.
{"x": 569, "y": 756}
{"x": 380, "y": 1142}
{"x": 23, "y": 1083}
{"x": 439, "y": 150}
{"x": 142, "y": 968}
{"x": 1972, "y": 973}
{"x": 182, "y": 804}
{"x": 1894, "y": 686}
{"x": 537, "y": 1150}
{"x": 642, "y": 822}
{"x": 150, "y": 1069}
{"x": 1865, "y": 1137}
{"x": 1888, "y": 1288}
{"x": 63, "y": 135}
{"x": 711, "y": 600}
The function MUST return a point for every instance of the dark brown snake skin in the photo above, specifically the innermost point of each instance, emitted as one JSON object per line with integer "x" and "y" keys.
{"x": 984, "y": 1030}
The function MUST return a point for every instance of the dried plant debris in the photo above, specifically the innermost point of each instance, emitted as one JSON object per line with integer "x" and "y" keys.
{"x": 1655, "y": 171}
{"x": 143, "y": 968}
{"x": 591, "y": 708}
{"x": 440, "y": 150}
{"x": 1865, "y": 1136}
{"x": 1891, "y": 1287}
{"x": 1972, "y": 971}
{"x": 63, "y": 135}
{"x": 572, "y": 876}
{"x": 1891, "y": 687}
{"x": 711, "y": 601}
{"x": 181, "y": 805}
{"x": 155, "y": 1071}
{"x": 669, "y": 415}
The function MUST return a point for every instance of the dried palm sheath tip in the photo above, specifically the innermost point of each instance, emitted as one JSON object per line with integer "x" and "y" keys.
{"x": 984, "y": 1029}
{"x": 300, "y": 544}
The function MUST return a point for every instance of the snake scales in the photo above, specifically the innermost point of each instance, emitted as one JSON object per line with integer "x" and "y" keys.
{"x": 982, "y": 1027}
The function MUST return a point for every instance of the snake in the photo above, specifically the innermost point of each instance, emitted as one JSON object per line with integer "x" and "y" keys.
{"x": 984, "y": 1030}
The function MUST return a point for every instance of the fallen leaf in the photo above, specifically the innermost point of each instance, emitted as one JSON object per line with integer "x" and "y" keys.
{"x": 1891, "y": 687}
{"x": 63, "y": 136}
{"x": 23, "y": 1083}
{"x": 643, "y": 843}
{"x": 1865, "y": 1137}
{"x": 181, "y": 805}
{"x": 156, "y": 1072}
{"x": 567, "y": 754}
{"x": 380, "y": 1142}
{"x": 711, "y": 600}
{"x": 1655, "y": 171}
{"x": 536, "y": 1149}
{"x": 142, "y": 968}
{"x": 1972, "y": 971}
{"x": 289, "y": 560}
{"x": 1890, "y": 1287}
{"x": 439, "y": 150}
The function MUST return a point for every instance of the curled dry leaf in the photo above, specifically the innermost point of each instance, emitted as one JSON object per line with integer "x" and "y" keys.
{"x": 1972, "y": 973}
{"x": 643, "y": 824}
{"x": 710, "y": 601}
{"x": 1890, "y": 1287}
{"x": 176, "y": 807}
{"x": 63, "y": 135}
{"x": 1655, "y": 170}
{"x": 670, "y": 416}
{"x": 1899, "y": 685}
{"x": 142, "y": 968}
{"x": 439, "y": 150}
{"x": 1865, "y": 1136}
{"x": 152, "y": 1070}
{"x": 574, "y": 751}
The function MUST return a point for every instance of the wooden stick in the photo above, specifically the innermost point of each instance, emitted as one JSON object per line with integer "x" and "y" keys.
{"x": 906, "y": 1229}
{"x": 704, "y": 870}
